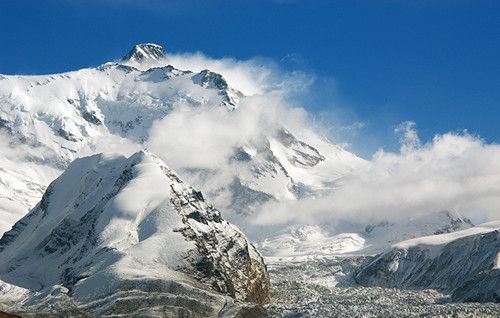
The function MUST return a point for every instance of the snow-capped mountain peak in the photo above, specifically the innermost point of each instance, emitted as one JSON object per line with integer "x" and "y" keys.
{"x": 111, "y": 226}
{"x": 145, "y": 53}
{"x": 57, "y": 118}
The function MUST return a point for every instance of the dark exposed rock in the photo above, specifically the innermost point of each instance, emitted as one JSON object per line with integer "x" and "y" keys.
{"x": 232, "y": 265}
{"x": 67, "y": 135}
{"x": 145, "y": 52}
{"x": 241, "y": 155}
{"x": 484, "y": 287}
{"x": 211, "y": 80}
{"x": 157, "y": 74}
{"x": 7, "y": 315}
{"x": 456, "y": 223}
{"x": 91, "y": 117}
{"x": 243, "y": 196}
{"x": 5, "y": 125}
{"x": 254, "y": 311}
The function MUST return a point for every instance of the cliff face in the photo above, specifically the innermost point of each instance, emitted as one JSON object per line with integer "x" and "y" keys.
{"x": 117, "y": 235}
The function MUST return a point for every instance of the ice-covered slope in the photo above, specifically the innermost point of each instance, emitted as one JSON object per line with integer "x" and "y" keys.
{"x": 116, "y": 235}
{"x": 309, "y": 242}
{"x": 46, "y": 121}
{"x": 381, "y": 235}
{"x": 314, "y": 241}
{"x": 464, "y": 263}
{"x": 280, "y": 166}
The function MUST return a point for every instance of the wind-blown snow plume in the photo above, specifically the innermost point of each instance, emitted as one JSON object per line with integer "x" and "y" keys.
{"x": 253, "y": 76}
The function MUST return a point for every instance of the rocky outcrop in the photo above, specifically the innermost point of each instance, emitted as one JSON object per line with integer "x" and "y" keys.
{"x": 484, "y": 287}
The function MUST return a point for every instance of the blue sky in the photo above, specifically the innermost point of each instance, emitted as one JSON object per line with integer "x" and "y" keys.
{"x": 435, "y": 62}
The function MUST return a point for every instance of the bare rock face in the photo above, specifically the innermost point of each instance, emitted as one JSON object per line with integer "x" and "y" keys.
{"x": 484, "y": 287}
{"x": 116, "y": 235}
{"x": 223, "y": 259}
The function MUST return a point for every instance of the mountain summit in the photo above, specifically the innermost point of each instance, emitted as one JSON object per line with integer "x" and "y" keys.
{"x": 60, "y": 117}
{"x": 116, "y": 235}
{"x": 147, "y": 52}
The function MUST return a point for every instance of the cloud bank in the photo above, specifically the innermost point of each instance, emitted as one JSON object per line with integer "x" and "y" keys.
{"x": 452, "y": 172}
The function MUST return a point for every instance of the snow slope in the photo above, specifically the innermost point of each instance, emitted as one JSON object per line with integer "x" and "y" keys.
{"x": 116, "y": 235}
{"x": 464, "y": 263}
{"x": 310, "y": 241}
{"x": 313, "y": 241}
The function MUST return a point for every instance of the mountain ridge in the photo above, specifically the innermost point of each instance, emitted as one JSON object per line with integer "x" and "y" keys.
{"x": 462, "y": 263}
{"x": 49, "y": 120}
{"x": 100, "y": 221}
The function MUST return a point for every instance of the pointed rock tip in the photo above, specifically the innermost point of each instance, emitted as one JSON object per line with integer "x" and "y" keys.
{"x": 145, "y": 52}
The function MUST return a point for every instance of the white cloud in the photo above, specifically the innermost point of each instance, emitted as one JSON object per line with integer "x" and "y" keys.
{"x": 408, "y": 136}
{"x": 452, "y": 171}
{"x": 206, "y": 137}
